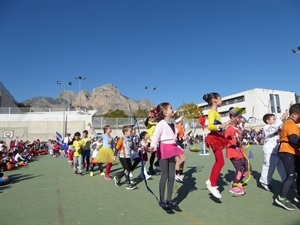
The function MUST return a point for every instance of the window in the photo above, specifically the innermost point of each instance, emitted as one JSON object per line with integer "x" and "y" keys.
{"x": 278, "y": 107}
{"x": 272, "y": 103}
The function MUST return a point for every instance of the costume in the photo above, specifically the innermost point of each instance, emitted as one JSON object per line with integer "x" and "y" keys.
{"x": 216, "y": 141}
{"x": 270, "y": 150}
{"x": 164, "y": 141}
{"x": 165, "y": 134}
{"x": 234, "y": 152}
{"x": 106, "y": 155}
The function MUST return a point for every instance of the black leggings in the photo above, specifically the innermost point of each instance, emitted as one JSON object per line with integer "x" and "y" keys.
{"x": 126, "y": 164}
{"x": 167, "y": 167}
{"x": 291, "y": 165}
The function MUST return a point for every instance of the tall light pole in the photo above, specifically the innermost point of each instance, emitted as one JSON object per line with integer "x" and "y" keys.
{"x": 150, "y": 90}
{"x": 64, "y": 105}
{"x": 297, "y": 51}
{"x": 80, "y": 78}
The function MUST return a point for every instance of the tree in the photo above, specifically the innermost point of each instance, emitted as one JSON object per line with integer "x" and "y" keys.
{"x": 188, "y": 111}
{"x": 115, "y": 114}
{"x": 140, "y": 113}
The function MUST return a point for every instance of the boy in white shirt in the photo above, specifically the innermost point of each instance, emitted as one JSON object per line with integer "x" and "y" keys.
{"x": 270, "y": 150}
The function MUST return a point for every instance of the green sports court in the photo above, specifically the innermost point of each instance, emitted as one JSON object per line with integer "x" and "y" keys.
{"x": 47, "y": 193}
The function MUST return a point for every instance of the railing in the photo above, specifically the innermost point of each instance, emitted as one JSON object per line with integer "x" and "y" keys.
{"x": 24, "y": 110}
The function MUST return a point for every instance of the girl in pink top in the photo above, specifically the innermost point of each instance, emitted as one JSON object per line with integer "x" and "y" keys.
{"x": 164, "y": 143}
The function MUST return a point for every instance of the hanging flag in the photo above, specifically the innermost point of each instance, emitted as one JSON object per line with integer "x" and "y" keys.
{"x": 59, "y": 139}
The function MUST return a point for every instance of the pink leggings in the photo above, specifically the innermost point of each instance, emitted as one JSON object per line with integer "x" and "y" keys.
{"x": 217, "y": 167}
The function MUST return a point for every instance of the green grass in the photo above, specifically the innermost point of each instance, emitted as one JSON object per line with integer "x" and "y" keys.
{"x": 47, "y": 192}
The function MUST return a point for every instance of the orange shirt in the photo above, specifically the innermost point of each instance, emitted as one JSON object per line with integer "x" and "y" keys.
{"x": 289, "y": 127}
{"x": 180, "y": 131}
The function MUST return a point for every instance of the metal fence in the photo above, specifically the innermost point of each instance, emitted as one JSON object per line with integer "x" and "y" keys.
{"x": 23, "y": 110}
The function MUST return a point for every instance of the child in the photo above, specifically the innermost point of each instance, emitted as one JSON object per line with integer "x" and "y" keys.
{"x": 70, "y": 155}
{"x": 270, "y": 150}
{"x": 77, "y": 155}
{"x": 95, "y": 147}
{"x": 290, "y": 155}
{"x": 164, "y": 143}
{"x": 135, "y": 159}
{"x": 86, "y": 150}
{"x": 180, "y": 160}
{"x": 106, "y": 155}
{"x": 235, "y": 151}
{"x": 215, "y": 140}
{"x": 143, "y": 154}
{"x": 150, "y": 124}
{"x": 124, "y": 146}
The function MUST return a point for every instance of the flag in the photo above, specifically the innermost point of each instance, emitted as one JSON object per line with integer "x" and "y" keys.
{"x": 59, "y": 139}
{"x": 202, "y": 120}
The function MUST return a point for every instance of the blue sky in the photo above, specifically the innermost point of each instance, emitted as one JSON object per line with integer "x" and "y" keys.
{"x": 184, "y": 48}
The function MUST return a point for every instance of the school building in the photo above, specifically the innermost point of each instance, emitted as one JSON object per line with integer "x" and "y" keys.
{"x": 255, "y": 102}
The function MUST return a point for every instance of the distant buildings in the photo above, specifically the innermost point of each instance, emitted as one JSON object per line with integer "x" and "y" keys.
{"x": 256, "y": 102}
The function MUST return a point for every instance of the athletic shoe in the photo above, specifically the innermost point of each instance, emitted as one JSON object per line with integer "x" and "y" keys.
{"x": 297, "y": 199}
{"x": 117, "y": 181}
{"x": 237, "y": 191}
{"x": 148, "y": 177}
{"x": 178, "y": 178}
{"x": 91, "y": 174}
{"x": 151, "y": 171}
{"x": 75, "y": 173}
{"x": 285, "y": 203}
{"x": 166, "y": 207}
{"x": 267, "y": 187}
{"x": 130, "y": 187}
{"x": 214, "y": 190}
{"x": 81, "y": 174}
{"x": 107, "y": 177}
{"x": 102, "y": 174}
{"x": 173, "y": 206}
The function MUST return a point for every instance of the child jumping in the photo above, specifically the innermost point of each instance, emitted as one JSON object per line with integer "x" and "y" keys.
{"x": 235, "y": 151}
{"x": 215, "y": 140}
{"x": 164, "y": 142}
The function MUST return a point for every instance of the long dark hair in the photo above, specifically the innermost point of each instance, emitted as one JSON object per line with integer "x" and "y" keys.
{"x": 210, "y": 96}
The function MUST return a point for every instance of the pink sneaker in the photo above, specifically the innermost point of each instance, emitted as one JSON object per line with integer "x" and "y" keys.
{"x": 238, "y": 191}
{"x": 107, "y": 177}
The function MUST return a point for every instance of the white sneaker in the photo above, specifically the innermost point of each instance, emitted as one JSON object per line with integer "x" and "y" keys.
{"x": 178, "y": 178}
{"x": 208, "y": 184}
{"x": 148, "y": 177}
{"x": 214, "y": 190}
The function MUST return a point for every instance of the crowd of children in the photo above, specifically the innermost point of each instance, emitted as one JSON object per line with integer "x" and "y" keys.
{"x": 163, "y": 142}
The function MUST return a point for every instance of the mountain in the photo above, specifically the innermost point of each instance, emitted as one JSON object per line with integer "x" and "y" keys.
{"x": 102, "y": 99}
